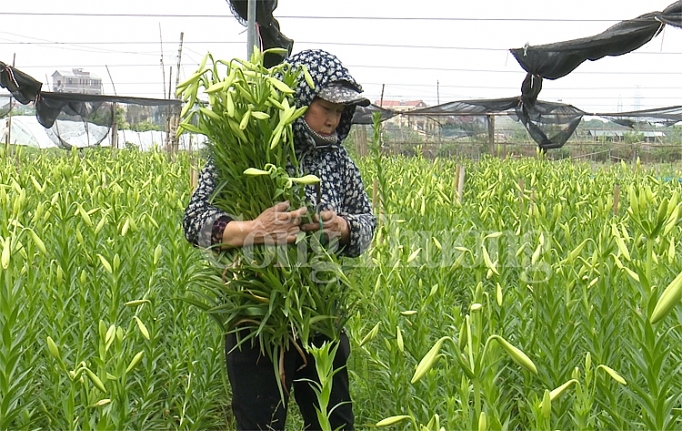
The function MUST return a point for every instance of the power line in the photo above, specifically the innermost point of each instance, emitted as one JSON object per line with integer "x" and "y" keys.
{"x": 619, "y": 72}
{"x": 463, "y": 48}
{"x": 83, "y": 46}
{"x": 486, "y": 87}
{"x": 361, "y": 66}
{"x": 392, "y": 67}
{"x": 48, "y": 43}
{"x": 4, "y": 93}
{"x": 368, "y": 45}
{"x": 59, "y": 45}
{"x": 317, "y": 17}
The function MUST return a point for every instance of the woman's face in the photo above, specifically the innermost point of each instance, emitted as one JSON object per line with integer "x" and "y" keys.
{"x": 323, "y": 116}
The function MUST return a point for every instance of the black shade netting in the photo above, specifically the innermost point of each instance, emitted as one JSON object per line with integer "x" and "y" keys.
{"x": 470, "y": 117}
{"x": 672, "y": 15}
{"x": 472, "y": 126}
{"x": 82, "y": 128}
{"x": 267, "y": 26}
{"x": 74, "y": 123}
{"x": 645, "y": 119}
{"x": 145, "y": 126}
{"x": 90, "y": 123}
{"x": 4, "y": 105}
{"x": 556, "y": 60}
{"x": 23, "y": 87}
{"x": 264, "y": 10}
{"x": 469, "y": 107}
{"x": 365, "y": 114}
{"x": 549, "y": 124}
{"x": 50, "y": 105}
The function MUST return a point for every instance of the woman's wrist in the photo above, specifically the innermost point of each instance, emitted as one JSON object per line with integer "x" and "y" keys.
{"x": 345, "y": 232}
{"x": 238, "y": 232}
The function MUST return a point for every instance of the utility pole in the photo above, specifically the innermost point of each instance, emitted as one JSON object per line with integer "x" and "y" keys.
{"x": 169, "y": 119}
{"x": 440, "y": 126}
{"x": 177, "y": 70}
{"x": 175, "y": 119}
{"x": 9, "y": 115}
{"x": 163, "y": 66}
{"x": 114, "y": 124}
{"x": 251, "y": 29}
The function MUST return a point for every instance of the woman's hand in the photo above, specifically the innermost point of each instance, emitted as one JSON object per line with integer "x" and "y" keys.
{"x": 274, "y": 226}
{"x": 333, "y": 225}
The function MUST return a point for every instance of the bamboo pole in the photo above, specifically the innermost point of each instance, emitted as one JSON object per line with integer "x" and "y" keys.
{"x": 114, "y": 129}
{"x": 460, "y": 184}
{"x": 114, "y": 125}
{"x": 9, "y": 115}
{"x": 193, "y": 177}
{"x": 491, "y": 133}
{"x": 375, "y": 188}
{"x": 455, "y": 181}
{"x": 520, "y": 196}
{"x": 616, "y": 198}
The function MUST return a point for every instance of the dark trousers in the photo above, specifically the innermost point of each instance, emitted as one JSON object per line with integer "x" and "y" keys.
{"x": 256, "y": 400}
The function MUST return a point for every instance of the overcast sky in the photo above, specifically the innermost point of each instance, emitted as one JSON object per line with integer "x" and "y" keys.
{"x": 456, "y": 50}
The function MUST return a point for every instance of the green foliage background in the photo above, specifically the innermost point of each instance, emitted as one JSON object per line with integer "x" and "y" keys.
{"x": 570, "y": 284}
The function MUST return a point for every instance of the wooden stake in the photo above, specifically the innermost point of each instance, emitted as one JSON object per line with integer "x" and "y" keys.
{"x": 520, "y": 196}
{"x": 193, "y": 177}
{"x": 455, "y": 181}
{"x": 114, "y": 126}
{"x": 491, "y": 133}
{"x": 460, "y": 184}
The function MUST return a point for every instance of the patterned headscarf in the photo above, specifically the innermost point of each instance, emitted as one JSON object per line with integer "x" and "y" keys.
{"x": 324, "y": 68}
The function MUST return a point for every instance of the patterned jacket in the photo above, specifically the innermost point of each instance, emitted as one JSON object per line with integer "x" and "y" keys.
{"x": 342, "y": 187}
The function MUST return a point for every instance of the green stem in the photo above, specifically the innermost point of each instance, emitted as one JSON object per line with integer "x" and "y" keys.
{"x": 477, "y": 399}
{"x": 649, "y": 261}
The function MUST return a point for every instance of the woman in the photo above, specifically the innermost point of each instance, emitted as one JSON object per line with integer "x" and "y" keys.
{"x": 346, "y": 214}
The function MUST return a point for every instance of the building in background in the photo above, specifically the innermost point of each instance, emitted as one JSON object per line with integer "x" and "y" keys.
{"x": 422, "y": 125}
{"x": 401, "y": 105}
{"x": 76, "y": 81}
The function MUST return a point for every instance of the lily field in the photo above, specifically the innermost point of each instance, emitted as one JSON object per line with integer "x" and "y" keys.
{"x": 546, "y": 296}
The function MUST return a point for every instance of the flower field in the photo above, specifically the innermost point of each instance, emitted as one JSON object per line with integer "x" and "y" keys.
{"x": 533, "y": 302}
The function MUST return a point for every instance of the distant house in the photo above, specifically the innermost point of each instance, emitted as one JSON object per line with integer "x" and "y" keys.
{"x": 422, "y": 125}
{"x": 401, "y": 105}
{"x": 76, "y": 81}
